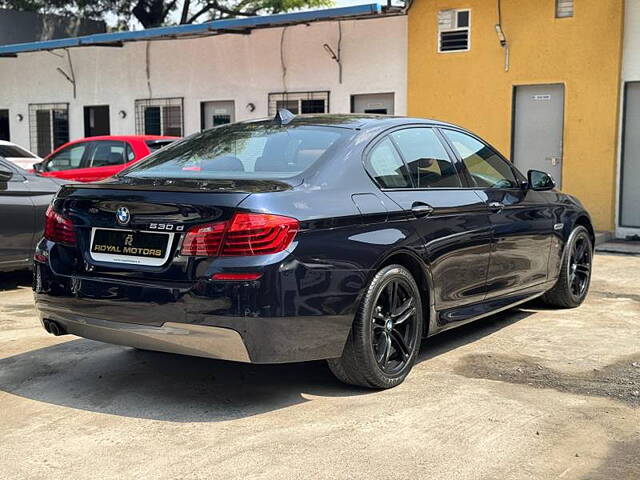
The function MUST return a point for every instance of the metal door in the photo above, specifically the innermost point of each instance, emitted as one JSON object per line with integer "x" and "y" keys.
{"x": 378, "y": 103}
{"x": 96, "y": 121}
{"x": 630, "y": 170}
{"x": 217, "y": 113}
{"x": 4, "y": 125}
{"x": 538, "y": 125}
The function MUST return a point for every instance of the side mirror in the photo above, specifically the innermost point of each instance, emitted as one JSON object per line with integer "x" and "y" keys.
{"x": 5, "y": 175}
{"x": 38, "y": 167}
{"x": 540, "y": 180}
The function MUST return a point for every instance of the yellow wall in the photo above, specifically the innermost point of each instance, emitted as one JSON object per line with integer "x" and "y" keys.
{"x": 472, "y": 89}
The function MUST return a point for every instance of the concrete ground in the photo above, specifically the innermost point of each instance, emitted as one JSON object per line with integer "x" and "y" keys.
{"x": 529, "y": 394}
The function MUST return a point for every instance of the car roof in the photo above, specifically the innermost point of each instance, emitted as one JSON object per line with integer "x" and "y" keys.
{"x": 124, "y": 138}
{"x": 354, "y": 120}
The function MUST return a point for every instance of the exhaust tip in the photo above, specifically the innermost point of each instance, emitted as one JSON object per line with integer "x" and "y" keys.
{"x": 54, "y": 328}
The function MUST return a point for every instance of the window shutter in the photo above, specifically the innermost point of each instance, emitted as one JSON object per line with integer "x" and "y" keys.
{"x": 564, "y": 8}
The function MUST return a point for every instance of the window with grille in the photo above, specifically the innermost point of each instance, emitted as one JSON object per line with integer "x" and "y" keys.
{"x": 48, "y": 126}
{"x": 159, "y": 116}
{"x": 454, "y": 31}
{"x": 564, "y": 8}
{"x": 299, "y": 102}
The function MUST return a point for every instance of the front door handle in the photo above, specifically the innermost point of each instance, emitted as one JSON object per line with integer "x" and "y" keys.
{"x": 421, "y": 209}
{"x": 496, "y": 207}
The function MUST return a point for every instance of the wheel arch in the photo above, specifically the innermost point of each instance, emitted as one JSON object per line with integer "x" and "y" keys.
{"x": 420, "y": 272}
{"x": 585, "y": 221}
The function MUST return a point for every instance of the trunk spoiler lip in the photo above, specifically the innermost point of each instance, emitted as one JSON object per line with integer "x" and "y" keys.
{"x": 245, "y": 186}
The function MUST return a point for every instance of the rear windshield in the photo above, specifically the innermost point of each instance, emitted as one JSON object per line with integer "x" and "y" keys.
{"x": 10, "y": 151}
{"x": 242, "y": 151}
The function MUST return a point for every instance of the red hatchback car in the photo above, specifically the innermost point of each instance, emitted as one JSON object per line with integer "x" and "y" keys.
{"x": 95, "y": 158}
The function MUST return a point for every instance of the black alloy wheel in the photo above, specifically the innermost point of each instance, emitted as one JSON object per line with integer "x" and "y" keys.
{"x": 575, "y": 272}
{"x": 394, "y": 321}
{"x": 386, "y": 332}
{"x": 580, "y": 266}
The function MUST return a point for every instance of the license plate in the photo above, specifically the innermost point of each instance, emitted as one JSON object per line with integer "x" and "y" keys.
{"x": 127, "y": 246}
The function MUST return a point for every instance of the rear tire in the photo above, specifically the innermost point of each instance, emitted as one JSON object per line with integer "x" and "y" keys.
{"x": 575, "y": 272}
{"x": 385, "y": 337}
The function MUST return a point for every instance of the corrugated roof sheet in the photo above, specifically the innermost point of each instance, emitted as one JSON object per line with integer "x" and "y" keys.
{"x": 217, "y": 27}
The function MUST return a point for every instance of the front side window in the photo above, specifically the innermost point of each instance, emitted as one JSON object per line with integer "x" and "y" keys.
{"x": 386, "y": 167}
{"x": 236, "y": 151}
{"x": 67, "y": 158}
{"x": 428, "y": 162}
{"x": 486, "y": 167}
{"x": 108, "y": 154}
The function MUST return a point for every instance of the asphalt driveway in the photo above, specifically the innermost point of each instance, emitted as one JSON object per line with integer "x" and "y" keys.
{"x": 531, "y": 393}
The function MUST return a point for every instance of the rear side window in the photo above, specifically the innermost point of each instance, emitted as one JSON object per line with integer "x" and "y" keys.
{"x": 386, "y": 167}
{"x": 257, "y": 150}
{"x": 428, "y": 162}
{"x": 108, "y": 154}
{"x": 12, "y": 151}
{"x": 486, "y": 167}
{"x": 67, "y": 159}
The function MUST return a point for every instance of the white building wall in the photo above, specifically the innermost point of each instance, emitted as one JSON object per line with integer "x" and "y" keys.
{"x": 243, "y": 68}
{"x": 630, "y": 73}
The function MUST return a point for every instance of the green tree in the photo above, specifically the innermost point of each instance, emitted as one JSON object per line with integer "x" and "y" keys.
{"x": 154, "y": 13}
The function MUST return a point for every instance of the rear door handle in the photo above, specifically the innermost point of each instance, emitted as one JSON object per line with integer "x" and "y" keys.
{"x": 421, "y": 209}
{"x": 495, "y": 207}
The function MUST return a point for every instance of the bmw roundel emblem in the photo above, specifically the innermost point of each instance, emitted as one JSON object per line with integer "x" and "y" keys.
{"x": 123, "y": 216}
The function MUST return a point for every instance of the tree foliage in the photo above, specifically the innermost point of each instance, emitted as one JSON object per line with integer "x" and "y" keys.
{"x": 153, "y": 13}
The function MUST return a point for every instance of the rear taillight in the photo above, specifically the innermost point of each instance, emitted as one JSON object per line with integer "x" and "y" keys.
{"x": 58, "y": 229}
{"x": 204, "y": 240}
{"x": 246, "y": 234}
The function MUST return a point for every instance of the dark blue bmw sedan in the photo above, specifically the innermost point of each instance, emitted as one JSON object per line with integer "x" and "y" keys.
{"x": 337, "y": 237}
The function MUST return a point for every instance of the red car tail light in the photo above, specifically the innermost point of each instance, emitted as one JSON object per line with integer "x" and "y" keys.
{"x": 204, "y": 240}
{"x": 259, "y": 234}
{"x": 246, "y": 234}
{"x": 58, "y": 229}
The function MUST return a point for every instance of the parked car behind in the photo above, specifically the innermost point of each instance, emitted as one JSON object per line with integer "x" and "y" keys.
{"x": 24, "y": 198}
{"x": 18, "y": 155}
{"x": 346, "y": 238}
{"x": 96, "y": 158}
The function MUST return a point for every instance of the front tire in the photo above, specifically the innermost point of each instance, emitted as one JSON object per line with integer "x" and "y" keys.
{"x": 575, "y": 273}
{"x": 385, "y": 337}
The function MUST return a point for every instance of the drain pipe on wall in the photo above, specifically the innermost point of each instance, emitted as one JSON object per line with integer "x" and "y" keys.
{"x": 336, "y": 57}
{"x": 502, "y": 37}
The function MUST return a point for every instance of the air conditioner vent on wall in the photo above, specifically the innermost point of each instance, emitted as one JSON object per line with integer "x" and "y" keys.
{"x": 454, "y": 28}
{"x": 564, "y": 8}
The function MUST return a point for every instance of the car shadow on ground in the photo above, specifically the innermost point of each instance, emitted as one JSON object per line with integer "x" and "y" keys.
{"x": 13, "y": 280}
{"x": 98, "y": 377}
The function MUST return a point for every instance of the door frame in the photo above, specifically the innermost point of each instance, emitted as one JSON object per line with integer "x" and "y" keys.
{"x": 202, "y": 105}
{"x": 85, "y": 110}
{"x": 564, "y": 121}
{"x": 353, "y": 95}
{"x": 8, "y": 139}
{"x": 621, "y": 231}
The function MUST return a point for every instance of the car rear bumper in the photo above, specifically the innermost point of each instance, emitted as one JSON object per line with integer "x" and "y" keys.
{"x": 254, "y": 340}
{"x": 186, "y": 339}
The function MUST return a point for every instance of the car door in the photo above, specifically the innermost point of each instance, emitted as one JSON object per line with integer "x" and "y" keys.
{"x": 104, "y": 159}
{"x": 67, "y": 163}
{"x": 17, "y": 214}
{"x": 521, "y": 219}
{"x": 414, "y": 169}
